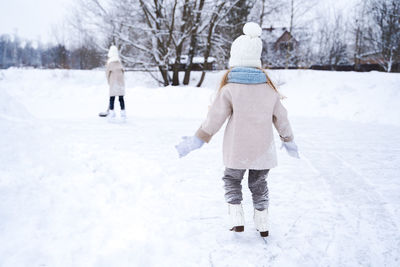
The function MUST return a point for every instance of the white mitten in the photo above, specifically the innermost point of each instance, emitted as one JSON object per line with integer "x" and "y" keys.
{"x": 188, "y": 144}
{"x": 291, "y": 149}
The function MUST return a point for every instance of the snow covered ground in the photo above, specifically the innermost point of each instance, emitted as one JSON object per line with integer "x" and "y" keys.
{"x": 76, "y": 190}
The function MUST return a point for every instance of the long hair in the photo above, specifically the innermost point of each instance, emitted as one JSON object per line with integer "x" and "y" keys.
{"x": 224, "y": 81}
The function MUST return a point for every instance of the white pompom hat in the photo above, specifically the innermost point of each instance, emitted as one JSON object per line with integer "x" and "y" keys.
{"x": 246, "y": 49}
{"x": 113, "y": 54}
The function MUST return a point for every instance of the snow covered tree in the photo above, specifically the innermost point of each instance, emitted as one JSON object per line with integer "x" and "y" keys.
{"x": 182, "y": 33}
{"x": 236, "y": 15}
{"x": 157, "y": 34}
{"x": 332, "y": 42}
{"x": 298, "y": 21}
{"x": 266, "y": 12}
{"x": 85, "y": 52}
{"x": 286, "y": 33}
{"x": 159, "y": 17}
{"x": 142, "y": 30}
{"x": 359, "y": 30}
{"x": 6, "y": 48}
{"x": 194, "y": 37}
{"x": 222, "y": 28}
{"x": 384, "y": 32}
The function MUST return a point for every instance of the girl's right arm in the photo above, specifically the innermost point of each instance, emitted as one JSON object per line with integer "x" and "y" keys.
{"x": 108, "y": 72}
{"x": 219, "y": 111}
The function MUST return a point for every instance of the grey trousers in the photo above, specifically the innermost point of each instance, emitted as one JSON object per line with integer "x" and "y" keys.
{"x": 257, "y": 185}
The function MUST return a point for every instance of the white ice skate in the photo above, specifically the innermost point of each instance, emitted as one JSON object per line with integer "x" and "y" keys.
{"x": 123, "y": 113}
{"x": 236, "y": 217}
{"x": 261, "y": 221}
{"x": 111, "y": 115}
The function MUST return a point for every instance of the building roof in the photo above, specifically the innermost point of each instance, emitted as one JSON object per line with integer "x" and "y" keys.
{"x": 274, "y": 34}
{"x": 196, "y": 60}
{"x": 286, "y": 37}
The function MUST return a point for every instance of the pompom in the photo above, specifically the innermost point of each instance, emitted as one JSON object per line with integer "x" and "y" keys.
{"x": 113, "y": 52}
{"x": 252, "y": 29}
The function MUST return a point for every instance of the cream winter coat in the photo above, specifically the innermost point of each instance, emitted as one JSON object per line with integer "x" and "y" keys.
{"x": 252, "y": 109}
{"x": 115, "y": 78}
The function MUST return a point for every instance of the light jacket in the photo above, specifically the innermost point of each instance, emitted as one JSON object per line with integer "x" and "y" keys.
{"x": 115, "y": 78}
{"x": 251, "y": 109}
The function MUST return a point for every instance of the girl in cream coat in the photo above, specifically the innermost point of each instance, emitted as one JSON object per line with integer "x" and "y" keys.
{"x": 116, "y": 82}
{"x": 252, "y": 104}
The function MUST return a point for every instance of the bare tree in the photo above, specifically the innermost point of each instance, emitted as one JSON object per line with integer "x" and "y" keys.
{"x": 160, "y": 21}
{"x": 182, "y": 33}
{"x": 213, "y": 22}
{"x": 194, "y": 38}
{"x": 384, "y": 33}
{"x": 359, "y": 30}
{"x": 297, "y": 10}
{"x": 266, "y": 11}
{"x": 223, "y": 16}
{"x": 332, "y": 41}
{"x": 338, "y": 42}
{"x": 150, "y": 34}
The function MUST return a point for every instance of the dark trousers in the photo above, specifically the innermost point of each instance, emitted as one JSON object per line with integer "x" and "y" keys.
{"x": 121, "y": 102}
{"x": 257, "y": 185}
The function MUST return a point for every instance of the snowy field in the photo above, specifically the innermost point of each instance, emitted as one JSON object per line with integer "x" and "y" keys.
{"x": 76, "y": 190}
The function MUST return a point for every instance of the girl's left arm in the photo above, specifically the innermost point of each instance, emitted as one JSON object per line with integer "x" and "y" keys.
{"x": 108, "y": 72}
{"x": 281, "y": 122}
{"x": 282, "y": 125}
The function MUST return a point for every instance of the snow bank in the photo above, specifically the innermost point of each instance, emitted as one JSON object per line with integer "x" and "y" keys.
{"x": 10, "y": 108}
{"x": 363, "y": 97}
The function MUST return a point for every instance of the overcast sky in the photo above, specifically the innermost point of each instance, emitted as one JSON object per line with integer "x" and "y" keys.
{"x": 33, "y": 19}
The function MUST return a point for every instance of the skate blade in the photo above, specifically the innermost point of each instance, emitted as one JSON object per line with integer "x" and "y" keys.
{"x": 264, "y": 234}
{"x": 103, "y": 114}
{"x": 237, "y": 229}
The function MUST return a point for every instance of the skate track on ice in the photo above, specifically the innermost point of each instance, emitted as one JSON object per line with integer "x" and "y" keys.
{"x": 85, "y": 192}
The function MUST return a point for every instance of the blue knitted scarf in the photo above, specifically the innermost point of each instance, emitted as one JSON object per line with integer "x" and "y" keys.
{"x": 246, "y": 75}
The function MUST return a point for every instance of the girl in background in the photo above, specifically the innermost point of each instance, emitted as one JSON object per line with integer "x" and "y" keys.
{"x": 115, "y": 78}
{"x": 251, "y": 102}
